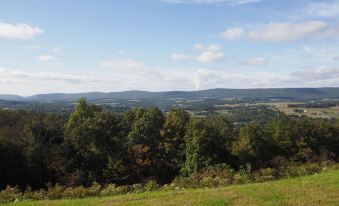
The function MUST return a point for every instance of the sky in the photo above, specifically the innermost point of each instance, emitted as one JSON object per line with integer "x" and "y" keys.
{"x": 49, "y": 46}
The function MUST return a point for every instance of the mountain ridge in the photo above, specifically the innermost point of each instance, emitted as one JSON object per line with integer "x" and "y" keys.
{"x": 217, "y": 93}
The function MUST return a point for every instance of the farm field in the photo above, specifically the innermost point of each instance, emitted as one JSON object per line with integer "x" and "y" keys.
{"x": 320, "y": 189}
{"x": 332, "y": 112}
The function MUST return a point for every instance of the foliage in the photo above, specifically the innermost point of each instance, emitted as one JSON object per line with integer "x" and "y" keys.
{"x": 96, "y": 152}
{"x": 10, "y": 194}
{"x": 321, "y": 189}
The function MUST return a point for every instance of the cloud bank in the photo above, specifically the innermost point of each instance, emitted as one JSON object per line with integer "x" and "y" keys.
{"x": 161, "y": 80}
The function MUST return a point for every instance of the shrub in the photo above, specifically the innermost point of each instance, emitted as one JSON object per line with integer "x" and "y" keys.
{"x": 210, "y": 182}
{"x": 136, "y": 188}
{"x": 242, "y": 178}
{"x": 186, "y": 182}
{"x": 123, "y": 189}
{"x": 300, "y": 170}
{"x": 151, "y": 186}
{"x": 213, "y": 176}
{"x": 222, "y": 173}
{"x": 55, "y": 192}
{"x": 110, "y": 189}
{"x": 76, "y": 192}
{"x": 94, "y": 189}
{"x": 266, "y": 174}
{"x": 10, "y": 194}
{"x": 29, "y": 194}
{"x": 243, "y": 175}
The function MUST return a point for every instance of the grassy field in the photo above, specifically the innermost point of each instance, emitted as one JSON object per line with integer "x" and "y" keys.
{"x": 332, "y": 112}
{"x": 321, "y": 189}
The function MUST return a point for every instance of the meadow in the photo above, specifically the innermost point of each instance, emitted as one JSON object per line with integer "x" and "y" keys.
{"x": 318, "y": 189}
{"x": 331, "y": 112}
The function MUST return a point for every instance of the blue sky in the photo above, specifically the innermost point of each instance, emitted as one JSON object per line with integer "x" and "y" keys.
{"x": 157, "y": 45}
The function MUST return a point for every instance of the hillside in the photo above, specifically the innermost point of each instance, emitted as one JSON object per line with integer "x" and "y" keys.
{"x": 278, "y": 93}
{"x": 321, "y": 189}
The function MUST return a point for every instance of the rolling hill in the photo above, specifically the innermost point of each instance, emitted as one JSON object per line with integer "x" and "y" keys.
{"x": 278, "y": 93}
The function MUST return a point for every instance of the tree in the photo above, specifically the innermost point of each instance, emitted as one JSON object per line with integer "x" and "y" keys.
{"x": 43, "y": 137}
{"x": 173, "y": 142}
{"x": 13, "y": 168}
{"x": 252, "y": 146}
{"x": 224, "y": 136}
{"x": 97, "y": 147}
{"x": 207, "y": 143}
{"x": 145, "y": 133}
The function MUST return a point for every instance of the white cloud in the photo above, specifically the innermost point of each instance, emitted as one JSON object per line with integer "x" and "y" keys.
{"x": 18, "y": 31}
{"x": 279, "y": 32}
{"x": 179, "y": 57}
{"x": 322, "y": 76}
{"x": 45, "y": 58}
{"x": 29, "y": 83}
{"x": 321, "y": 73}
{"x": 209, "y": 56}
{"x": 130, "y": 68}
{"x": 29, "y": 77}
{"x": 16, "y": 81}
{"x": 233, "y": 33}
{"x": 336, "y": 58}
{"x": 121, "y": 63}
{"x": 283, "y": 31}
{"x": 257, "y": 61}
{"x": 233, "y": 2}
{"x": 209, "y": 53}
{"x": 211, "y": 47}
{"x": 323, "y": 8}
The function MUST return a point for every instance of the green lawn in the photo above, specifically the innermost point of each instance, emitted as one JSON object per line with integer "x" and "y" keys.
{"x": 321, "y": 189}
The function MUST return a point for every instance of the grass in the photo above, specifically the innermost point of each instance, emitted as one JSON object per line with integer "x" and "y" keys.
{"x": 321, "y": 189}
{"x": 332, "y": 112}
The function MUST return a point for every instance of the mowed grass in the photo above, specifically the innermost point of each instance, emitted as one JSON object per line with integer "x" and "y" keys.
{"x": 321, "y": 189}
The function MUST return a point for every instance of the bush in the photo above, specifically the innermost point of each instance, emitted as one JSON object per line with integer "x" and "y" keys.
{"x": 151, "y": 186}
{"x": 94, "y": 189}
{"x": 186, "y": 182}
{"x": 10, "y": 194}
{"x": 210, "y": 182}
{"x": 135, "y": 188}
{"x": 266, "y": 174}
{"x": 110, "y": 189}
{"x": 34, "y": 195}
{"x": 76, "y": 192}
{"x": 55, "y": 192}
{"x": 213, "y": 176}
{"x": 300, "y": 170}
{"x": 222, "y": 173}
{"x": 242, "y": 178}
{"x": 243, "y": 175}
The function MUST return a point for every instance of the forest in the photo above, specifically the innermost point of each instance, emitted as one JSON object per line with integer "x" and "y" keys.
{"x": 92, "y": 145}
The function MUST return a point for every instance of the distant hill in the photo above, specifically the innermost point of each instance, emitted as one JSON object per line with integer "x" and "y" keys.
{"x": 11, "y": 97}
{"x": 12, "y": 103}
{"x": 279, "y": 93}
